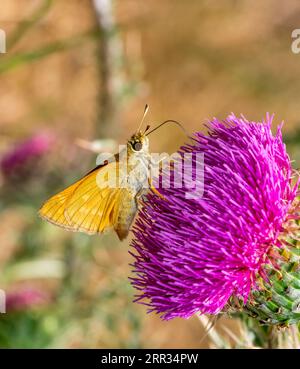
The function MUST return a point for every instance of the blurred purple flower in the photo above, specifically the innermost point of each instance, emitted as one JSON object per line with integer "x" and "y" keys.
{"x": 26, "y": 298}
{"x": 192, "y": 255}
{"x": 26, "y": 153}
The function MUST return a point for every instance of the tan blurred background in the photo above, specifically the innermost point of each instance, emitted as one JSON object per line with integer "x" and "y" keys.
{"x": 189, "y": 60}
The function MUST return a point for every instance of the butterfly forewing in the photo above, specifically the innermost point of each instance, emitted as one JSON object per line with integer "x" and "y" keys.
{"x": 107, "y": 196}
{"x": 86, "y": 206}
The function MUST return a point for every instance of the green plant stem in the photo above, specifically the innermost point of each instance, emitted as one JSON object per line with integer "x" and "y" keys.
{"x": 110, "y": 56}
{"x": 272, "y": 338}
{"x": 17, "y": 60}
{"x": 25, "y": 25}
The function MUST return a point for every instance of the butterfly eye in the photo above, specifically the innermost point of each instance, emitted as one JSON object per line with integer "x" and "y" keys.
{"x": 137, "y": 146}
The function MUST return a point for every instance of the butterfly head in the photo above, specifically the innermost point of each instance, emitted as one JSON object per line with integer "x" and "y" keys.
{"x": 138, "y": 142}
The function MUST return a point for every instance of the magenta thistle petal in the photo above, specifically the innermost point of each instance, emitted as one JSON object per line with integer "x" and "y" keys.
{"x": 192, "y": 255}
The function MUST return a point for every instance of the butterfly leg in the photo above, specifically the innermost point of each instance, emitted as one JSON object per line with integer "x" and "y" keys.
{"x": 151, "y": 186}
{"x": 154, "y": 190}
{"x": 139, "y": 194}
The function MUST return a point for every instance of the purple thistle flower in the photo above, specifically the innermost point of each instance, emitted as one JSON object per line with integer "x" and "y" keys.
{"x": 27, "y": 152}
{"x": 26, "y": 298}
{"x": 192, "y": 255}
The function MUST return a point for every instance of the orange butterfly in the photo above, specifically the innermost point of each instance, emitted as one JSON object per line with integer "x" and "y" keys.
{"x": 107, "y": 197}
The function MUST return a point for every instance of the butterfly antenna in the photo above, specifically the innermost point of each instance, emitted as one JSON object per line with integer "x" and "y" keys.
{"x": 143, "y": 118}
{"x": 169, "y": 121}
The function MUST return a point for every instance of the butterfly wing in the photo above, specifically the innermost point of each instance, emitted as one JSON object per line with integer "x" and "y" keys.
{"x": 89, "y": 205}
{"x": 53, "y": 210}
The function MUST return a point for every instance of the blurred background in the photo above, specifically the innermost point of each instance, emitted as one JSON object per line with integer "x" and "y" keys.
{"x": 83, "y": 69}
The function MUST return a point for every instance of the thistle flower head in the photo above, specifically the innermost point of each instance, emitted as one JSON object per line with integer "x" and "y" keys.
{"x": 25, "y": 154}
{"x": 193, "y": 254}
{"x": 26, "y": 298}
